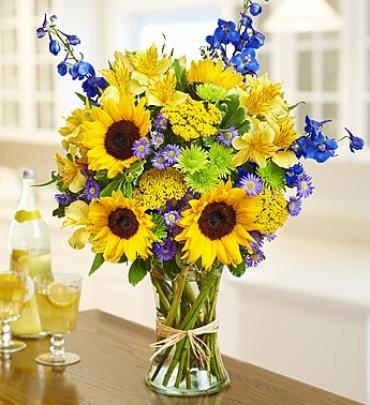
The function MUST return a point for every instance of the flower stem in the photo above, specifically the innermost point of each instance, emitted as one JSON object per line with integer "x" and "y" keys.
{"x": 177, "y": 298}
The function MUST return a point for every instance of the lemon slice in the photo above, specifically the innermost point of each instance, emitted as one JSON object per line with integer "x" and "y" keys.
{"x": 61, "y": 294}
{"x": 8, "y": 278}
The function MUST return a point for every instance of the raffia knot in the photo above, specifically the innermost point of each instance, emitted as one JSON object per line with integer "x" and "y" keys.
{"x": 172, "y": 336}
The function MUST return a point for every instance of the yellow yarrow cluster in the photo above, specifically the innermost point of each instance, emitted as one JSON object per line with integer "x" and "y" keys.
{"x": 157, "y": 186}
{"x": 192, "y": 119}
{"x": 274, "y": 211}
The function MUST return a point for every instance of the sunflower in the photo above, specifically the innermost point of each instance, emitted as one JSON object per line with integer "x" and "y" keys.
{"x": 218, "y": 224}
{"x": 113, "y": 132}
{"x": 207, "y": 71}
{"x": 119, "y": 227}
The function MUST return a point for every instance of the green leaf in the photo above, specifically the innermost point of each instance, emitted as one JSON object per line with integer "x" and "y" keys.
{"x": 272, "y": 175}
{"x": 126, "y": 189}
{"x": 138, "y": 271}
{"x": 54, "y": 178}
{"x": 239, "y": 270}
{"x": 244, "y": 128}
{"x": 180, "y": 75}
{"x": 97, "y": 263}
{"x": 101, "y": 175}
{"x": 160, "y": 231}
{"x": 135, "y": 171}
{"x": 81, "y": 97}
{"x": 171, "y": 269}
{"x": 113, "y": 186}
{"x": 292, "y": 107}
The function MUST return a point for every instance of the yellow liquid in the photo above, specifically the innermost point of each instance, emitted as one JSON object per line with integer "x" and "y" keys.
{"x": 58, "y": 318}
{"x": 11, "y": 297}
{"x": 29, "y": 323}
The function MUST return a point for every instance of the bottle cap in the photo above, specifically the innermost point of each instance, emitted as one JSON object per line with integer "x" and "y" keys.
{"x": 28, "y": 174}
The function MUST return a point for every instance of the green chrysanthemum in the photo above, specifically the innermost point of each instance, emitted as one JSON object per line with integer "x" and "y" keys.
{"x": 272, "y": 176}
{"x": 192, "y": 159}
{"x": 221, "y": 157}
{"x": 203, "y": 180}
{"x": 211, "y": 93}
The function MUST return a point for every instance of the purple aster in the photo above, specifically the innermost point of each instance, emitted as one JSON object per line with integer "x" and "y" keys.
{"x": 259, "y": 239}
{"x": 171, "y": 153}
{"x": 294, "y": 206}
{"x": 161, "y": 123}
{"x": 165, "y": 251}
{"x": 271, "y": 237}
{"x": 92, "y": 190}
{"x": 254, "y": 259}
{"x": 304, "y": 186}
{"x": 63, "y": 199}
{"x": 227, "y": 137}
{"x": 170, "y": 218}
{"x": 159, "y": 161}
{"x": 252, "y": 184}
{"x": 141, "y": 148}
{"x": 157, "y": 138}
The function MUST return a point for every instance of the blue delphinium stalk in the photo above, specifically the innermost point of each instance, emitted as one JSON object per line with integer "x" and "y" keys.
{"x": 236, "y": 44}
{"x": 292, "y": 174}
{"x": 78, "y": 68}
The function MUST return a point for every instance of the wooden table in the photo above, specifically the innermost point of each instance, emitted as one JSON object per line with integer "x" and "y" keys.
{"x": 114, "y": 362}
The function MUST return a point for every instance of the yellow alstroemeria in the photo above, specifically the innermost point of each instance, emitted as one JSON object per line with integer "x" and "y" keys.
{"x": 120, "y": 75}
{"x": 72, "y": 132}
{"x": 285, "y": 135}
{"x": 148, "y": 65}
{"x": 70, "y": 174}
{"x": 163, "y": 91}
{"x": 262, "y": 97}
{"x": 77, "y": 215}
{"x": 257, "y": 145}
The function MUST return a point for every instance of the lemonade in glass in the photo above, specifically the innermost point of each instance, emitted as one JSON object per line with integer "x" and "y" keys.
{"x": 58, "y": 297}
{"x": 12, "y": 290}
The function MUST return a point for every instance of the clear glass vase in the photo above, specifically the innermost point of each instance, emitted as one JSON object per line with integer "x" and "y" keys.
{"x": 187, "y": 301}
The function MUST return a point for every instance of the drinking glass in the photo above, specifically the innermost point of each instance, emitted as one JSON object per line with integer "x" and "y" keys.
{"x": 58, "y": 297}
{"x": 12, "y": 291}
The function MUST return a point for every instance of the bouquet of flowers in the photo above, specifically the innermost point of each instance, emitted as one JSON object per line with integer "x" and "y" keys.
{"x": 181, "y": 168}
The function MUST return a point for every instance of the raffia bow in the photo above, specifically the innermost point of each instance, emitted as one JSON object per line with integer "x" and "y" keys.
{"x": 173, "y": 336}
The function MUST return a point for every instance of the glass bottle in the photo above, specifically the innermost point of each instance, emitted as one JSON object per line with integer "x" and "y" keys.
{"x": 29, "y": 243}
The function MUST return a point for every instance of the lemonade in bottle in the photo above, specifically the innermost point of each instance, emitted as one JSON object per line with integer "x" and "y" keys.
{"x": 29, "y": 243}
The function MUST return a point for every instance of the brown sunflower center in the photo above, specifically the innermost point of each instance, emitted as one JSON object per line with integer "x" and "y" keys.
{"x": 217, "y": 220}
{"x": 123, "y": 223}
{"x": 120, "y": 138}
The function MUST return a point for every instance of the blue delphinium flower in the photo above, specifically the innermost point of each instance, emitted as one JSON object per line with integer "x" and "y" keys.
{"x": 171, "y": 154}
{"x": 245, "y": 61}
{"x": 252, "y": 184}
{"x": 170, "y": 218}
{"x": 54, "y": 47}
{"x": 315, "y": 145}
{"x": 255, "y": 9}
{"x": 82, "y": 69}
{"x": 141, "y": 148}
{"x": 226, "y": 32}
{"x": 159, "y": 161}
{"x": 92, "y": 190}
{"x": 62, "y": 68}
{"x": 93, "y": 86}
{"x": 165, "y": 251}
{"x": 227, "y": 137}
{"x": 63, "y": 199}
{"x": 304, "y": 186}
{"x": 292, "y": 174}
{"x": 355, "y": 142}
{"x": 294, "y": 206}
